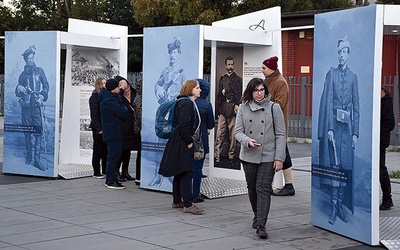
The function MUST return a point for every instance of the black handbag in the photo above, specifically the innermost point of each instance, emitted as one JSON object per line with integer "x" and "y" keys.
{"x": 288, "y": 160}
{"x": 198, "y": 146}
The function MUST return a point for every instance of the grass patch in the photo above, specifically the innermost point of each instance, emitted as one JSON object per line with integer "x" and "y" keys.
{"x": 292, "y": 140}
{"x": 395, "y": 175}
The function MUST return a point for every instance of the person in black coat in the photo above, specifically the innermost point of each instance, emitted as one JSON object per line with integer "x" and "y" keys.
{"x": 99, "y": 147}
{"x": 177, "y": 159}
{"x": 129, "y": 140}
{"x": 207, "y": 122}
{"x": 387, "y": 125}
{"x": 113, "y": 113}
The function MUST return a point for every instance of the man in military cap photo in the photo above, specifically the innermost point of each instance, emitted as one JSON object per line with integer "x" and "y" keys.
{"x": 338, "y": 131}
{"x": 167, "y": 89}
{"x": 32, "y": 91}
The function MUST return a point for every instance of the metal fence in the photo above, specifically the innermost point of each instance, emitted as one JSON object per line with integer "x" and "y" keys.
{"x": 300, "y": 107}
{"x": 300, "y": 110}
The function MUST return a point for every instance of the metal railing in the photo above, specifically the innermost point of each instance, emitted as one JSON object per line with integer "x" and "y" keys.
{"x": 300, "y": 106}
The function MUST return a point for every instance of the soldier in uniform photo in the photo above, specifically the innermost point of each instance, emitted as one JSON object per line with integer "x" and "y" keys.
{"x": 32, "y": 91}
{"x": 228, "y": 99}
{"x": 167, "y": 89}
{"x": 338, "y": 131}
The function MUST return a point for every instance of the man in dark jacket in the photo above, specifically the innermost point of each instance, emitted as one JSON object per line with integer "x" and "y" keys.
{"x": 387, "y": 125}
{"x": 112, "y": 113}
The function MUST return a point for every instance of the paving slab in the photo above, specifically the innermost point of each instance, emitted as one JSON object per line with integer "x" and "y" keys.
{"x": 46, "y": 213}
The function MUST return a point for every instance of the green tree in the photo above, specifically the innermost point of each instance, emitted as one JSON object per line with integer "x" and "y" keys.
{"x": 6, "y": 19}
{"x": 136, "y": 14}
{"x": 40, "y": 15}
{"x": 150, "y": 13}
{"x": 54, "y": 14}
{"x": 6, "y": 23}
{"x": 121, "y": 12}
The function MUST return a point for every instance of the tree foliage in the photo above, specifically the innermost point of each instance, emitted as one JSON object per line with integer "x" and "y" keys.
{"x": 136, "y": 14}
{"x": 151, "y": 13}
{"x": 53, "y": 15}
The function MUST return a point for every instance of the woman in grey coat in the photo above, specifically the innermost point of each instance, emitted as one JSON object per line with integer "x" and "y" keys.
{"x": 261, "y": 134}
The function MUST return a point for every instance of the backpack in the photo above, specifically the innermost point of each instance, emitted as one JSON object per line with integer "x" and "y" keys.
{"x": 165, "y": 117}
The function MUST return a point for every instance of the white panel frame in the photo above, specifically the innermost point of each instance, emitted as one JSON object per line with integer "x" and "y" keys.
{"x": 376, "y": 110}
{"x": 258, "y": 44}
{"x": 57, "y": 107}
{"x": 76, "y": 39}
{"x": 214, "y": 33}
{"x": 86, "y": 34}
{"x": 391, "y": 15}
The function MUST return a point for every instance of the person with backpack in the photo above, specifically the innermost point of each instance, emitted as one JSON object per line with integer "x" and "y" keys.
{"x": 177, "y": 160}
{"x": 207, "y": 122}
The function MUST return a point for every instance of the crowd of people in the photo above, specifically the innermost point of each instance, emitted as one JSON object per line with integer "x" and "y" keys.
{"x": 260, "y": 128}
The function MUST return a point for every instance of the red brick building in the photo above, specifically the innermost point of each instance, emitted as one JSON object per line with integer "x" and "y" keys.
{"x": 297, "y": 47}
{"x": 297, "y": 54}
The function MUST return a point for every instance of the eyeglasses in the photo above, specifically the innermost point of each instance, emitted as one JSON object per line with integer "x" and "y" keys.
{"x": 259, "y": 91}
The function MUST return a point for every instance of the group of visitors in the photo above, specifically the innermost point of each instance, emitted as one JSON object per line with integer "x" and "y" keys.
{"x": 115, "y": 110}
{"x": 260, "y": 131}
{"x": 260, "y": 128}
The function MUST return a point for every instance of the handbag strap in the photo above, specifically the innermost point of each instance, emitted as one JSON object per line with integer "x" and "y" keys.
{"x": 198, "y": 114}
{"x": 273, "y": 120}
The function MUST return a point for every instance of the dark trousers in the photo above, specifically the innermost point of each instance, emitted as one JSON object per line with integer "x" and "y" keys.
{"x": 138, "y": 163}
{"x": 114, "y": 153}
{"x": 259, "y": 179}
{"x": 99, "y": 157}
{"x": 384, "y": 175}
{"x": 182, "y": 188}
{"x": 197, "y": 173}
{"x": 125, "y": 159}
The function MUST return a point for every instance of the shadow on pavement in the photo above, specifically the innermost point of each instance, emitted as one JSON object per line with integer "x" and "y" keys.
{"x": 16, "y": 179}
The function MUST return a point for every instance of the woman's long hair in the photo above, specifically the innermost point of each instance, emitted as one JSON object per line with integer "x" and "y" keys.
{"x": 188, "y": 86}
{"x": 98, "y": 84}
{"x": 251, "y": 86}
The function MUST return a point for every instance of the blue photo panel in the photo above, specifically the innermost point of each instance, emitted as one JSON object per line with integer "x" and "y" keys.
{"x": 170, "y": 56}
{"x": 344, "y": 50}
{"x": 30, "y": 103}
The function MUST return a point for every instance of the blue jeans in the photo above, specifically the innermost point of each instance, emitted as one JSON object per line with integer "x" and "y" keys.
{"x": 197, "y": 173}
{"x": 259, "y": 179}
{"x": 114, "y": 149}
